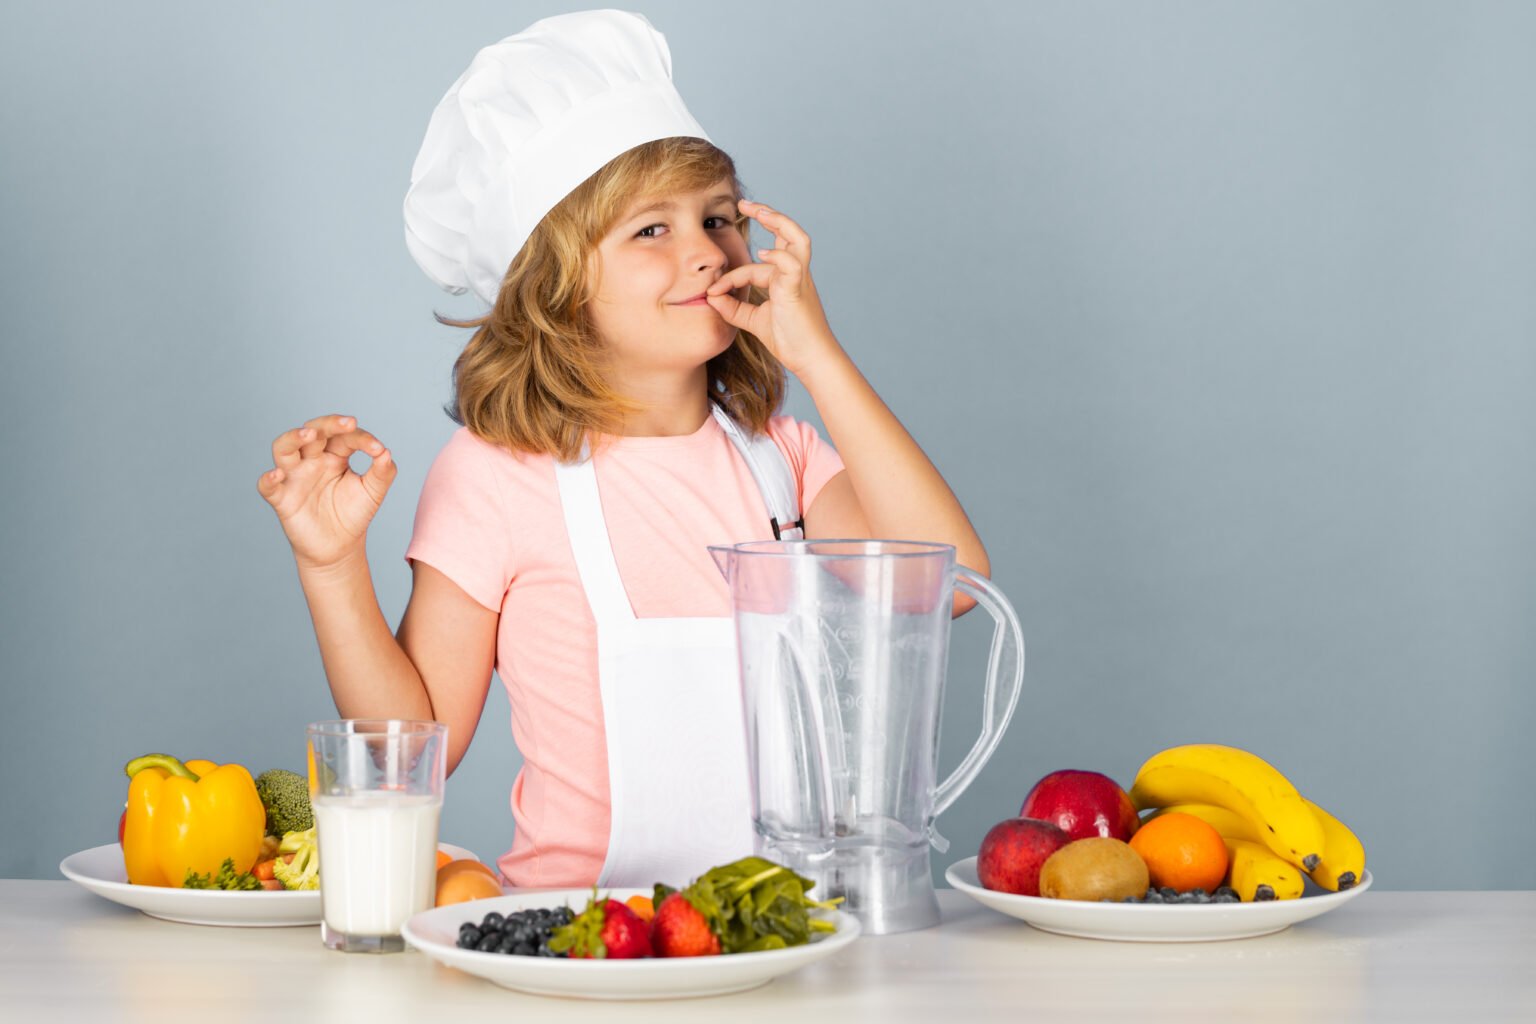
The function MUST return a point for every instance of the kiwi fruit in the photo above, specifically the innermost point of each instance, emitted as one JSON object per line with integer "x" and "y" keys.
{"x": 1095, "y": 869}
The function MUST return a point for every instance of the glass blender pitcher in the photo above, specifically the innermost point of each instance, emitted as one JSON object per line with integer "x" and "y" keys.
{"x": 843, "y": 646}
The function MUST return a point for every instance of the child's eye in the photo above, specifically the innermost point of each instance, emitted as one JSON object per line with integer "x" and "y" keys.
{"x": 710, "y": 224}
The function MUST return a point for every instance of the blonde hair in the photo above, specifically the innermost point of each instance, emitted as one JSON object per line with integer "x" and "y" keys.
{"x": 530, "y": 378}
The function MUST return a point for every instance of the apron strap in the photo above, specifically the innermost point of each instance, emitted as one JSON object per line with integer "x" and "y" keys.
{"x": 588, "y": 531}
{"x": 775, "y": 480}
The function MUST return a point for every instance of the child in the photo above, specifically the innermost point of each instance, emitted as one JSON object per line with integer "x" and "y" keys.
{"x": 618, "y": 405}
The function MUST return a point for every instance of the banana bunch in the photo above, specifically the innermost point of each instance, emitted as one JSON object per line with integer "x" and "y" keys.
{"x": 1272, "y": 832}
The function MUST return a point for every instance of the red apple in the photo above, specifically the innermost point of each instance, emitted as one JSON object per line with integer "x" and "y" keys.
{"x": 1012, "y": 852}
{"x": 1083, "y": 805}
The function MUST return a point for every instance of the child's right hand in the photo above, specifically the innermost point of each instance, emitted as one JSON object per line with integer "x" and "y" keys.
{"x": 325, "y": 507}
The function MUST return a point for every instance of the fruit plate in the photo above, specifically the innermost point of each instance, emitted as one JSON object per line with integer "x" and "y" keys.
{"x": 100, "y": 869}
{"x": 1151, "y": 922}
{"x": 435, "y": 933}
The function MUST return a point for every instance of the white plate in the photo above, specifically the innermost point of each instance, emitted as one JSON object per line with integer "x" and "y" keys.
{"x": 1151, "y": 922}
{"x": 436, "y": 932}
{"x": 101, "y": 870}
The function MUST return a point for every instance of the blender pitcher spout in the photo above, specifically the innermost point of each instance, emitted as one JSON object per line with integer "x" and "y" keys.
{"x": 724, "y": 559}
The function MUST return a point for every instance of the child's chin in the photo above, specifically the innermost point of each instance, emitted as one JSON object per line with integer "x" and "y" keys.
{"x": 725, "y": 346}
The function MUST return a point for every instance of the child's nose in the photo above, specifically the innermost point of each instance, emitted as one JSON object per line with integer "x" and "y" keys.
{"x": 706, "y": 255}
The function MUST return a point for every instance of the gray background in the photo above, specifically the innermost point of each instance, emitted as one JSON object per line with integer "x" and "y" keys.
{"x": 1218, "y": 317}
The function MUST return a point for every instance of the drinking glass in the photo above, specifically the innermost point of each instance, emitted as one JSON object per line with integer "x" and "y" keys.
{"x": 377, "y": 790}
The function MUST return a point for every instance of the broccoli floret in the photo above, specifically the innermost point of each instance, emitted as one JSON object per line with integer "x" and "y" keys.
{"x": 285, "y": 795}
{"x": 303, "y": 872}
{"x": 226, "y": 878}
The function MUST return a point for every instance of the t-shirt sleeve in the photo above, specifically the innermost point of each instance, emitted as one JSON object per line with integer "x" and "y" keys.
{"x": 813, "y": 459}
{"x": 461, "y": 521}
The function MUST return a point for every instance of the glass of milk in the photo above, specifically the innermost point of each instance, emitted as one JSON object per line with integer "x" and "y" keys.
{"x": 377, "y": 790}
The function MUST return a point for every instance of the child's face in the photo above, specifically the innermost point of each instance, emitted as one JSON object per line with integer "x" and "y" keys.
{"x": 653, "y": 261}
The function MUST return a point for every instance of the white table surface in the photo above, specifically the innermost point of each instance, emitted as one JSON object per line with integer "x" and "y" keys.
{"x": 66, "y": 954}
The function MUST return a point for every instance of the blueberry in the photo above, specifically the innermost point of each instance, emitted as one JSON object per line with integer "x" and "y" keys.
{"x": 508, "y": 943}
{"x": 493, "y": 922}
{"x": 489, "y": 942}
{"x": 524, "y": 949}
{"x": 1170, "y": 893}
{"x": 1153, "y": 896}
{"x": 469, "y": 935}
{"x": 1226, "y": 897}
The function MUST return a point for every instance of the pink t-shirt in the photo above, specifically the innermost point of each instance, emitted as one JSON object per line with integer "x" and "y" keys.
{"x": 491, "y": 521}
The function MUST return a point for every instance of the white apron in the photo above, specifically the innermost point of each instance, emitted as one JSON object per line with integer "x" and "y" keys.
{"x": 679, "y": 797}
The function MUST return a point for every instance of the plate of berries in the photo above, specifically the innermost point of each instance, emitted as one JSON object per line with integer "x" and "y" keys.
{"x": 1158, "y": 915}
{"x": 734, "y": 928}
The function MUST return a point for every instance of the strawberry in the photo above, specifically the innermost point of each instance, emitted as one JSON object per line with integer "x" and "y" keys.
{"x": 606, "y": 930}
{"x": 625, "y": 933}
{"x": 680, "y": 930}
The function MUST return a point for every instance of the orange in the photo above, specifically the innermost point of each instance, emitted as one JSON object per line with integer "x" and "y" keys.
{"x": 443, "y": 857}
{"x": 454, "y": 867}
{"x": 1181, "y": 851}
{"x": 462, "y": 880}
{"x": 642, "y": 906}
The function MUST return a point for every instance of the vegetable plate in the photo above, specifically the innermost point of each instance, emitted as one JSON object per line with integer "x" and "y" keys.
{"x": 100, "y": 869}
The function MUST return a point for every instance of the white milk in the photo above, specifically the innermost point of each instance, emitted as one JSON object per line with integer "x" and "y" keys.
{"x": 378, "y": 859}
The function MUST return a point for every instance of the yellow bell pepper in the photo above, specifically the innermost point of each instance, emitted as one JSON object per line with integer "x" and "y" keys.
{"x": 189, "y": 817}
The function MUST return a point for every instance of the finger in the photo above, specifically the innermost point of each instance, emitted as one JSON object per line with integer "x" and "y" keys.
{"x": 787, "y": 233}
{"x": 270, "y": 484}
{"x": 790, "y": 270}
{"x": 746, "y": 274}
{"x": 380, "y": 475}
{"x": 734, "y": 311}
{"x": 354, "y": 441}
{"x": 285, "y": 449}
{"x": 332, "y": 423}
{"x": 323, "y": 427}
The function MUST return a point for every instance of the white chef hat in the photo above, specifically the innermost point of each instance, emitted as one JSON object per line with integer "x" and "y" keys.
{"x": 534, "y": 116}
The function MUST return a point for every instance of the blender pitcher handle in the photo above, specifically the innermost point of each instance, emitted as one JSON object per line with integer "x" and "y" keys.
{"x": 1005, "y": 670}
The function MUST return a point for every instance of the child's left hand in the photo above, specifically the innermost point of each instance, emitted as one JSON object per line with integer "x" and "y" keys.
{"x": 791, "y": 323}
